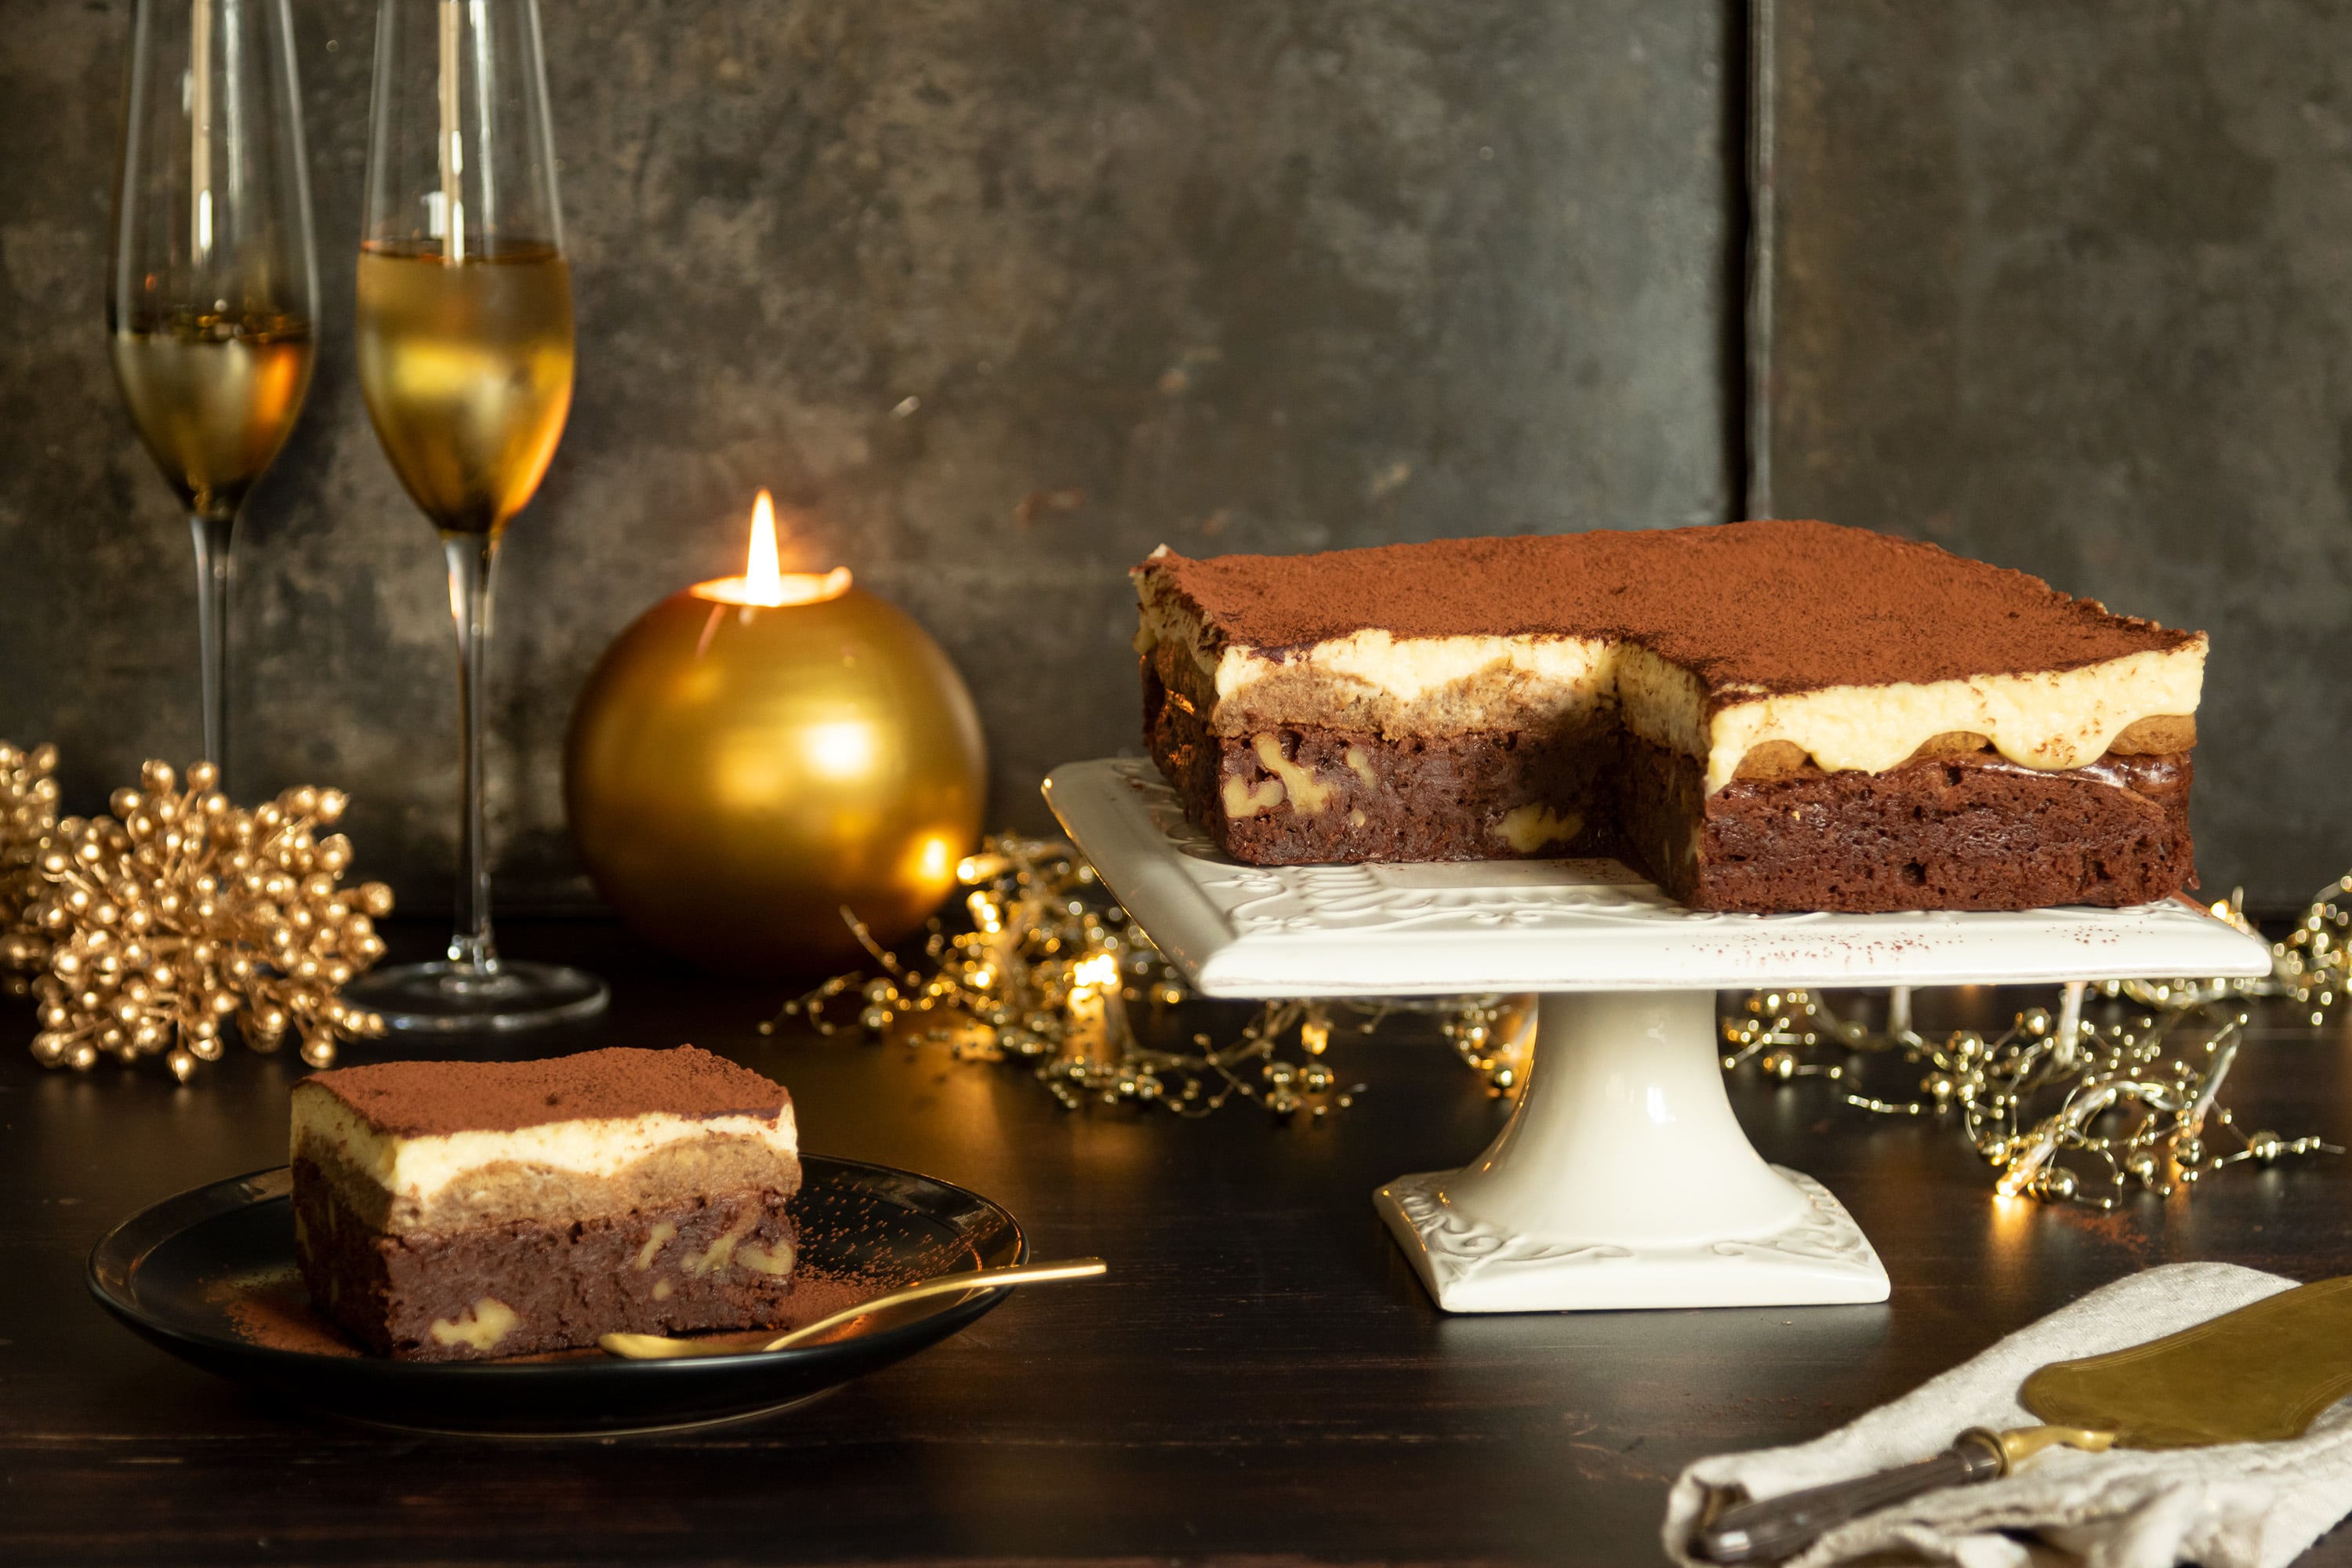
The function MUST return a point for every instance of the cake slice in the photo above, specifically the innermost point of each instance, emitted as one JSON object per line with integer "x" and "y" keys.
{"x": 447, "y": 1211}
{"x": 1760, "y": 716}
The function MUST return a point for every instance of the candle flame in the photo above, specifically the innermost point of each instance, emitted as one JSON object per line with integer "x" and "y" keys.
{"x": 764, "y": 582}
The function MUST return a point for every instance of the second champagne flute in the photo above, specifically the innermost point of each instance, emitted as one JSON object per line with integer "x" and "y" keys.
{"x": 465, "y": 357}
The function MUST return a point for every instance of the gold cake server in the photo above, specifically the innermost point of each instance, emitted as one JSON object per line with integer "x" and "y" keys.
{"x": 2259, "y": 1375}
{"x": 655, "y": 1347}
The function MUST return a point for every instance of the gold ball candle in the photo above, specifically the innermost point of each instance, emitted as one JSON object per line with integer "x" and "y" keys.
{"x": 756, "y": 754}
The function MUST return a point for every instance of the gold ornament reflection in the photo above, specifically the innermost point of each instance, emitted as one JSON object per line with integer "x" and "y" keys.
{"x": 756, "y": 752}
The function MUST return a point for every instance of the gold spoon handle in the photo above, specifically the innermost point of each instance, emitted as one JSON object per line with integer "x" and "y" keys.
{"x": 946, "y": 1284}
{"x": 658, "y": 1347}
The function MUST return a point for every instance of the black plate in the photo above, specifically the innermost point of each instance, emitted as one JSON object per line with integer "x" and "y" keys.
{"x": 210, "y": 1276}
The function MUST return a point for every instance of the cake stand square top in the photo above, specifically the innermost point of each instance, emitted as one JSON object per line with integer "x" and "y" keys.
{"x": 1561, "y": 925}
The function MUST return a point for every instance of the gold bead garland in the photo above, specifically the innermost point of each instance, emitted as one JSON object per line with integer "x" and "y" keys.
{"x": 28, "y": 814}
{"x": 2126, "y": 1096}
{"x": 180, "y": 913}
{"x": 1050, "y": 965}
{"x": 2314, "y": 964}
{"x": 1046, "y": 976}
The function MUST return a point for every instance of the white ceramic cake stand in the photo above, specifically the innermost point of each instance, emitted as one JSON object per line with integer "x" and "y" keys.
{"x": 1621, "y": 1179}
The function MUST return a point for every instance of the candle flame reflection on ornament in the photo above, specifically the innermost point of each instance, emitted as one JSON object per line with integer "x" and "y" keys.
{"x": 764, "y": 582}
{"x": 840, "y": 750}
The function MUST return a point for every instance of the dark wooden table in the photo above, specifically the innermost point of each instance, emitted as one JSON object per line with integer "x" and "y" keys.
{"x": 1260, "y": 1379}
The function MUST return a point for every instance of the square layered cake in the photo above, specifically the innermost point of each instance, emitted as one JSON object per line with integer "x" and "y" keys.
{"x": 455, "y": 1210}
{"x": 1759, "y": 716}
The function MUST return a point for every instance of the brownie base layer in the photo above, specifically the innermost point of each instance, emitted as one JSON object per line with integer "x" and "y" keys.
{"x": 1313, "y": 796}
{"x": 1963, "y": 831}
{"x": 1971, "y": 831}
{"x": 524, "y": 1286}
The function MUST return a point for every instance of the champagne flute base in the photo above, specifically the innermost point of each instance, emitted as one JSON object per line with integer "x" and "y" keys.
{"x": 446, "y": 997}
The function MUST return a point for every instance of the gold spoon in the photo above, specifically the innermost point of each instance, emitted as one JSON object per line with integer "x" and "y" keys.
{"x": 658, "y": 1347}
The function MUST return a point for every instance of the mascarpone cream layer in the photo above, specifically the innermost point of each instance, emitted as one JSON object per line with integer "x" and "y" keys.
{"x": 2052, "y": 720}
{"x": 418, "y": 1169}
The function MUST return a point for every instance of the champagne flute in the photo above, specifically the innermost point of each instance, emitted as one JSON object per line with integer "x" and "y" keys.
{"x": 212, "y": 284}
{"x": 465, "y": 358}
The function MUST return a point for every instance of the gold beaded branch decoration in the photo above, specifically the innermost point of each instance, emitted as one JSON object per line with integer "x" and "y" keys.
{"x": 180, "y": 913}
{"x": 1047, "y": 974}
{"x": 2133, "y": 1101}
{"x": 28, "y": 814}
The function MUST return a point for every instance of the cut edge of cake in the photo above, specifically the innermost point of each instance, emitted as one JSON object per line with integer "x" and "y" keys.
{"x": 452, "y": 1210}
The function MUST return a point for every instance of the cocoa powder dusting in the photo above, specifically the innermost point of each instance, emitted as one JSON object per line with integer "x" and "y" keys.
{"x": 273, "y": 1312}
{"x": 419, "y": 1100}
{"x": 1774, "y": 606}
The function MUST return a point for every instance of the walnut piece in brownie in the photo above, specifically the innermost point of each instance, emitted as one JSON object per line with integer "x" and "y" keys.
{"x": 455, "y": 1210}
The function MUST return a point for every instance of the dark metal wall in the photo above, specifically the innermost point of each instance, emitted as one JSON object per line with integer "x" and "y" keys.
{"x": 996, "y": 296}
{"x": 2065, "y": 285}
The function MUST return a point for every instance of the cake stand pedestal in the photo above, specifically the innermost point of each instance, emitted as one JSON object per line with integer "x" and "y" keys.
{"x": 1622, "y": 1178}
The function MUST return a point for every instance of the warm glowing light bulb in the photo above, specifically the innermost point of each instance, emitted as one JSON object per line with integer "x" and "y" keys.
{"x": 1102, "y": 969}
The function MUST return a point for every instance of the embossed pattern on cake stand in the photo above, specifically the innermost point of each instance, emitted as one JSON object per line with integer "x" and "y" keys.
{"x": 1623, "y": 1178}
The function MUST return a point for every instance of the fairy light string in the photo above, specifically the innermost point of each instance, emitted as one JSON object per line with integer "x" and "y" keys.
{"x": 2077, "y": 1107}
{"x": 1050, "y": 974}
{"x": 1046, "y": 970}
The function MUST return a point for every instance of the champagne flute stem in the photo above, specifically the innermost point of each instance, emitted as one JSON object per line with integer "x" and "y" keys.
{"x": 212, "y": 537}
{"x": 473, "y": 562}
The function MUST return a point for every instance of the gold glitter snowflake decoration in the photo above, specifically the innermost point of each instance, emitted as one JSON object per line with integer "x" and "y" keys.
{"x": 28, "y": 814}
{"x": 181, "y": 913}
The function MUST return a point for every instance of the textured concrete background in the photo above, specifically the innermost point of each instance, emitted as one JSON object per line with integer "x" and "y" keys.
{"x": 2069, "y": 285}
{"x": 996, "y": 296}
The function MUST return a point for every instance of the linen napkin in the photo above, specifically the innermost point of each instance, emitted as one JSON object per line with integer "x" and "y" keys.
{"x": 2242, "y": 1505}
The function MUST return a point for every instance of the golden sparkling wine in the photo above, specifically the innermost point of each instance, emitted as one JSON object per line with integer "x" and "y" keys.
{"x": 213, "y": 397}
{"x": 466, "y": 368}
